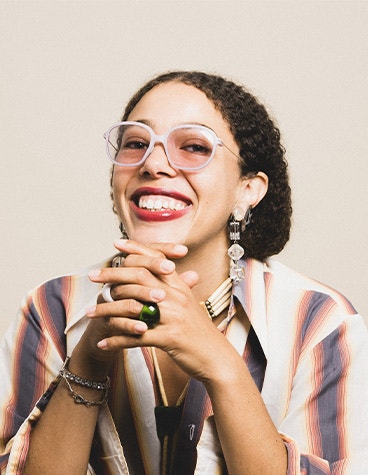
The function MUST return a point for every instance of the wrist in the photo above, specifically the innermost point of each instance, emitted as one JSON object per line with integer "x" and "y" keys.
{"x": 81, "y": 389}
{"x": 86, "y": 366}
{"x": 229, "y": 372}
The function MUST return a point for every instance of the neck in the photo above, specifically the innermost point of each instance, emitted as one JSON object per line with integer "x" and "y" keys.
{"x": 212, "y": 266}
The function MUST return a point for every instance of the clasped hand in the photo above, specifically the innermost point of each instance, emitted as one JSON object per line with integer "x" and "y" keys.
{"x": 148, "y": 275}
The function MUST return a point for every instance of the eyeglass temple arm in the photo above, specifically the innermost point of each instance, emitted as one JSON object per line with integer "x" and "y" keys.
{"x": 229, "y": 149}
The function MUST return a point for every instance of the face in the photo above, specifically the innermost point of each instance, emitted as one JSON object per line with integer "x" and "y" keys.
{"x": 158, "y": 203}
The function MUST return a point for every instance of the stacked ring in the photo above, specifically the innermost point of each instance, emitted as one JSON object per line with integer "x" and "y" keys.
{"x": 106, "y": 293}
{"x": 150, "y": 314}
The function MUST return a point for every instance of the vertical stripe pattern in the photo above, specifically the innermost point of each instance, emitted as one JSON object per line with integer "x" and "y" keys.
{"x": 304, "y": 345}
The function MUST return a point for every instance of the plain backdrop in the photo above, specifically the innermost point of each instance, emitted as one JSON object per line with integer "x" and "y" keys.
{"x": 67, "y": 69}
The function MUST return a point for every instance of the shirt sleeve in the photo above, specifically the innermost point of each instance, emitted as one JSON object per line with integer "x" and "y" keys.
{"x": 31, "y": 354}
{"x": 325, "y": 430}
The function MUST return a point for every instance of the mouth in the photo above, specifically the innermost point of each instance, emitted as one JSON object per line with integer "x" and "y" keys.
{"x": 158, "y": 204}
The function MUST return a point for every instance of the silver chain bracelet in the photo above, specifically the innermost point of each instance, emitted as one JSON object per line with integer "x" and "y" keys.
{"x": 69, "y": 377}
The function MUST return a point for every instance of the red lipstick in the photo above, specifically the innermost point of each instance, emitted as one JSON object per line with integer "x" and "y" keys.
{"x": 168, "y": 206}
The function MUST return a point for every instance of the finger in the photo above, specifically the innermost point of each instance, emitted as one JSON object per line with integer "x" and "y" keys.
{"x": 116, "y": 342}
{"x": 137, "y": 292}
{"x": 124, "y": 327}
{"x": 162, "y": 267}
{"x": 167, "y": 249}
{"x": 128, "y": 308}
{"x": 156, "y": 264}
{"x": 127, "y": 275}
{"x": 190, "y": 277}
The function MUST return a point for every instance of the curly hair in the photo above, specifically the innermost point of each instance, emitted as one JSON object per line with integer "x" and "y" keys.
{"x": 260, "y": 147}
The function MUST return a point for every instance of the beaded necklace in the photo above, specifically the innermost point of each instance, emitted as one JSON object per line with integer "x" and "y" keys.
{"x": 219, "y": 300}
{"x": 214, "y": 305}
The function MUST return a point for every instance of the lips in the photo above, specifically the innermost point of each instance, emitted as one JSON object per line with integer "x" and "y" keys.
{"x": 159, "y": 204}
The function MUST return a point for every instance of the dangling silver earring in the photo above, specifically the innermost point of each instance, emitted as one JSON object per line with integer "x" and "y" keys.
{"x": 239, "y": 220}
{"x": 124, "y": 234}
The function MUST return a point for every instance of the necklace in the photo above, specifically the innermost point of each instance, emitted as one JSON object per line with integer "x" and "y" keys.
{"x": 214, "y": 305}
{"x": 219, "y": 300}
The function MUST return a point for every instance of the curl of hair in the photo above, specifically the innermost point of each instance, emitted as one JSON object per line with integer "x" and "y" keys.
{"x": 260, "y": 147}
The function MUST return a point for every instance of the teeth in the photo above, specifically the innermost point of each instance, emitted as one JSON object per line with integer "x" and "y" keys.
{"x": 158, "y": 203}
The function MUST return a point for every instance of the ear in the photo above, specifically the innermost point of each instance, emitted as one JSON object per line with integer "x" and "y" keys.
{"x": 252, "y": 190}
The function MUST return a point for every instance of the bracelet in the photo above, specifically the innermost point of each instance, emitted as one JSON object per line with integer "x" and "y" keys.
{"x": 66, "y": 374}
{"x": 78, "y": 398}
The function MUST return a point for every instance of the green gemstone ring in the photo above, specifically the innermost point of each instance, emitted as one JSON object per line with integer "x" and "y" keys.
{"x": 150, "y": 314}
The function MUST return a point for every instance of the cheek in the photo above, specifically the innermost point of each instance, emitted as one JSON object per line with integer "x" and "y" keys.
{"x": 119, "y": 181}
{"x": 220, "y": 182}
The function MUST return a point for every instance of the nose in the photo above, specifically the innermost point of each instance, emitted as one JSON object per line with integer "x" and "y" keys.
{"x": 157, "y": 162}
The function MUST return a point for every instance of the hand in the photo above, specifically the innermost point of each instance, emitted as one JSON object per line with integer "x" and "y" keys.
{"x": 185, "y": 332}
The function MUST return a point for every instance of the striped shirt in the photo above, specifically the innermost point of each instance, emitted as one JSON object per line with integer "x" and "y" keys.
{"x": 303, "y": 342}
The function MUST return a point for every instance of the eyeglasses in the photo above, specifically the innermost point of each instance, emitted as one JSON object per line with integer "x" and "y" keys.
{"x": 187, "y": 146}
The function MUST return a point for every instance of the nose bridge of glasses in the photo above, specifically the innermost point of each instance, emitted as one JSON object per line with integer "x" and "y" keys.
{"x": 158, "y": 139}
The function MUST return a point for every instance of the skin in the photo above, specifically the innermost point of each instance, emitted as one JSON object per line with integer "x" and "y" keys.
{"x": 176, "y": 263}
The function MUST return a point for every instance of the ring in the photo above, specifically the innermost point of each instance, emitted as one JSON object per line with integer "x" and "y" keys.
{"x": 106, "y": 293}
{"x": 150, "y": 314}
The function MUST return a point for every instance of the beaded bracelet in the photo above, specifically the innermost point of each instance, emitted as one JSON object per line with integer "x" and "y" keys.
{"x": 78, "y": 398}
{"x": 66, "y": 374}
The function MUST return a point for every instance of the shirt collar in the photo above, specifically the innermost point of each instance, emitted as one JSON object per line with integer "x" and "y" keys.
{"x": 251, "y": 293}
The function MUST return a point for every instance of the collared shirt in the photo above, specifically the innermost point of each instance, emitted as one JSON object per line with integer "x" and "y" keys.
{"x": 308, "y": 358}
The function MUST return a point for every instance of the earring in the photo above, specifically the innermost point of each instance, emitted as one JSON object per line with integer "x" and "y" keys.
{"x": 239, "y": 220}
{"x": 124, "y": 234}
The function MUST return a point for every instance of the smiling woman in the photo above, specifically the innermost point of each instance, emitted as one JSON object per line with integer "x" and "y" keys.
{"x": 192, "y": 350}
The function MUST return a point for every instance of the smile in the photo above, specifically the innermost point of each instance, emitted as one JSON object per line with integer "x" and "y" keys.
{"x": 158, "y": 204}
{"x": 155, "y": 203}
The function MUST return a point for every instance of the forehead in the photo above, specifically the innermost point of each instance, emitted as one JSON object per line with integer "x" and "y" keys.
{"x": 169, "y": 104}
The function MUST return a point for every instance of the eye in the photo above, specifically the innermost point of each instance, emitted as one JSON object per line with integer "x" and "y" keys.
{"x": 134, "y": 144}
{"x": 194, "y": 142}
{"x": 134, "y": 139}
{"x": 196, "y": 148}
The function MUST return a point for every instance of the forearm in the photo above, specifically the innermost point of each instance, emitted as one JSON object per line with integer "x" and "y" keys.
{"x": 62, "y": 438}
{"x": 249, "y": 439}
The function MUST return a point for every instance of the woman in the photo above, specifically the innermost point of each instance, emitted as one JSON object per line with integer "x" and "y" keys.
{"x": 174, "y": 367}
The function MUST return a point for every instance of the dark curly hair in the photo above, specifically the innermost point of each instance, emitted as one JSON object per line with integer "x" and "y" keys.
{"x": 258, "y": 139}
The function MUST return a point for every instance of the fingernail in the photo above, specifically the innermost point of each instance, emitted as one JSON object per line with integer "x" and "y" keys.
{"x": 167, "y": 266}
{"x": 140, "y": 327}
{"x": 90, "y": 310}
{"x": 180, "y": 248}
{"x": 94, "y": 273}
{"x": 157, "y": 294}
{"x": 102, "y": 344}
{"x": 120, "y": 242}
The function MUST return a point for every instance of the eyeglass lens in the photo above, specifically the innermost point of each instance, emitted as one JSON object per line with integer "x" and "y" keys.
{"x": 187, "y": 147}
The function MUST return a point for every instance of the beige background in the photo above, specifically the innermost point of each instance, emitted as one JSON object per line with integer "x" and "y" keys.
{"x": 67, "y": 68}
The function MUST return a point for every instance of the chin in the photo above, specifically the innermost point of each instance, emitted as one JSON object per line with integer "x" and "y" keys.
{"x": 149, "y": 236}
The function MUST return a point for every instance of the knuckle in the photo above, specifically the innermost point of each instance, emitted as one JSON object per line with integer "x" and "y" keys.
{"x": 127, "y": 260}
{"x": 160, "y": 248}
{"x": 142, "y": 275}
{"x": 181, "y": 299}
{"x": 133, "y": 307}
{"x": 160, "y": 254}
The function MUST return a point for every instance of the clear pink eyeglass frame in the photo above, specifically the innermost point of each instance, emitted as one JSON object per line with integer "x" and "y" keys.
{"x": 154, "y": 139}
